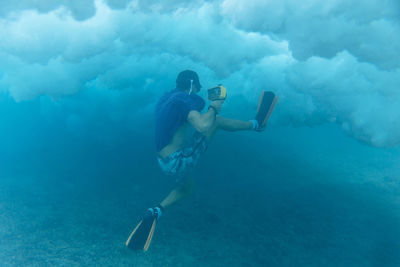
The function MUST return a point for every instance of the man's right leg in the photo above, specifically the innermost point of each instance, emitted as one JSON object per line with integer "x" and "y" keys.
{"x": 231, "y": 125}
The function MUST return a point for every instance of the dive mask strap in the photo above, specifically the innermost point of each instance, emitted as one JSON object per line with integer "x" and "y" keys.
{"x": 191, "y": 87}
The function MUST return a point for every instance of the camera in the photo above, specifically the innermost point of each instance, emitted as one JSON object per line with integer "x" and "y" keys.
{"x": 217, "y": 93}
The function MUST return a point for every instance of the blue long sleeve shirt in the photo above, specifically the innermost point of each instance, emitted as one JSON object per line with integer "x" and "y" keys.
{"x": 171, "y": 113}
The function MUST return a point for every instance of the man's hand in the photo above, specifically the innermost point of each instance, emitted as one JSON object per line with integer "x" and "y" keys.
{"x": 217, "y": 104}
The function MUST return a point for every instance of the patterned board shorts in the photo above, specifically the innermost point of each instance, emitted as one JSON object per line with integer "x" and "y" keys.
{"x": 180, "y": 161}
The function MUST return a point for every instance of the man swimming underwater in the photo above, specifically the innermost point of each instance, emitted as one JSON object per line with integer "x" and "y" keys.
{"x": 178, "y": 112}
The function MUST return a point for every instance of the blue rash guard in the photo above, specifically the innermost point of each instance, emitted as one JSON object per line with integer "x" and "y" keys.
{"x": 171, "y": 113}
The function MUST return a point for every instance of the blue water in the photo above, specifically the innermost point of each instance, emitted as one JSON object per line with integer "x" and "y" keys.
{"x": 78, "y": 87}
{"x": 289, "y": 196}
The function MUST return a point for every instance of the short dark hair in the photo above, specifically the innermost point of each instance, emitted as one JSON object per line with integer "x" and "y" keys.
{"x": 183, "y": 81}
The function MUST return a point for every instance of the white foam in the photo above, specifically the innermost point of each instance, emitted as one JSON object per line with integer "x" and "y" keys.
{"x": 327, "y": 61}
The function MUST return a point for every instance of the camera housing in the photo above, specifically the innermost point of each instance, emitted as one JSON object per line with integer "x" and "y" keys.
{"x": 217, "y": 93}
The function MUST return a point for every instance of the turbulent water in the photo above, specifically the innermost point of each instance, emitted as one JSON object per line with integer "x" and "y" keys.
{"x": 78, "y": 87}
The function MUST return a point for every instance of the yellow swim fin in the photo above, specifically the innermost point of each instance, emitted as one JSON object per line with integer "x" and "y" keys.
{"x": 141, "y": 236}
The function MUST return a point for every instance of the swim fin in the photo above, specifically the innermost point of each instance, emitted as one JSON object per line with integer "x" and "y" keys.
{"x": 266, "y": 105}
{"x": 141, "y": 236}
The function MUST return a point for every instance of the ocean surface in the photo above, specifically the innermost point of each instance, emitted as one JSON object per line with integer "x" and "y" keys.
{"x": 79, "y": 81}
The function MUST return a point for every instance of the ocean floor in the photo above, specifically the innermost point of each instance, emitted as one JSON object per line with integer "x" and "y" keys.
{"x": 283, "y": 202}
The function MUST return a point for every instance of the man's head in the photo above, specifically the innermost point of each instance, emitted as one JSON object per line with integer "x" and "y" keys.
{"x": 188, "y": 80}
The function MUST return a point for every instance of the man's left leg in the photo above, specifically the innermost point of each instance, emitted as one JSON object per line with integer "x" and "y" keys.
{"x": 187, "y": 186}
{"x": 179, "y": 192}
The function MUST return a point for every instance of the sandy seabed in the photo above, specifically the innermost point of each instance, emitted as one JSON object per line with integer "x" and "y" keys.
{"x": 333, "y": 206}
